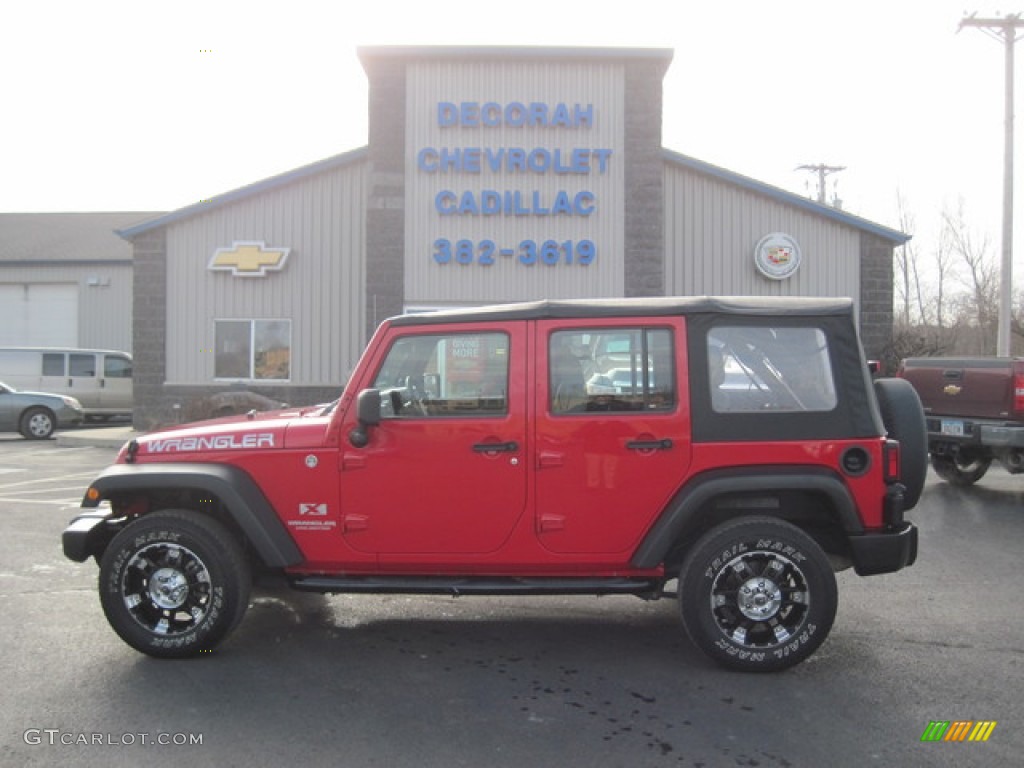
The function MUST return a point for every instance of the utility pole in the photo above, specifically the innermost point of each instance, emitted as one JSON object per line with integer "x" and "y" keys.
{"x": 1004, "y": 30}
{"x": 822, "y": 170}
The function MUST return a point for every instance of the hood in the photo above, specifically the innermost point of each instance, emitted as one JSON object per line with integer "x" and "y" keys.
{"x": 250, "y": 432}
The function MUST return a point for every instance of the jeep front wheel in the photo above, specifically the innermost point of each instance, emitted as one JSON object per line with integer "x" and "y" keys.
{"x": 757, "y": 594}
{"x": 174, "y": 583}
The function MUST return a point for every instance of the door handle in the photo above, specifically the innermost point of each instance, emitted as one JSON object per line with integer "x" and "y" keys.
{"x": 509, "y": 447}
{"x": 649, "y": 445}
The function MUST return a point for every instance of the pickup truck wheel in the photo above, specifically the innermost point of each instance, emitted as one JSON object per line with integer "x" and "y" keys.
{"x": 903, "y": 416}
{"x": 955, "y": 470}
{"x": 37, "y": 424}
{"x": 757, "y": 594}
{"x": 174, "y": 583}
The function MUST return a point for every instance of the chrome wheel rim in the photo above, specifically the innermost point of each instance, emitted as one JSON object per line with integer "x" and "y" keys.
{"x": 166, "y": 588}
{"x": 760, "y": 599}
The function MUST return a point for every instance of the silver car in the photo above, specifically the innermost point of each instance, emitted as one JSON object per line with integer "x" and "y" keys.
{"x": 36, "y": 414}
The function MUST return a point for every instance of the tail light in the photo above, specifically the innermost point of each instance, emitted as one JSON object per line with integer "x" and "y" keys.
{"x": 891, "y": 460}
{"x": 1018, "y": 388}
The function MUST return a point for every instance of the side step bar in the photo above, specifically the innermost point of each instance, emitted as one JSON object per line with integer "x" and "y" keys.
{"x": 471, "y": 585}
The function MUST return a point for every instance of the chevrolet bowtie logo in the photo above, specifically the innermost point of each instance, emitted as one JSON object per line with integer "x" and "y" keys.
{"x": 951, "y": 389}
{"x": 249, "y": 259}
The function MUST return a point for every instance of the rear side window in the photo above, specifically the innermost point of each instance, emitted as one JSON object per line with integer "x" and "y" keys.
{"x": 785, "y": 369}
{"x": 611, "y": 369}
{"x": 53, "y": 364}
{"x": 438, "y": 375}
{"x": 83, "y": 365}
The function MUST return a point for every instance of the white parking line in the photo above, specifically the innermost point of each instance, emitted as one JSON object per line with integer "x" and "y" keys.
{"x": 63, "y": 489}
{"x": 55, "y": 502}
{"x": 61, "y": 477}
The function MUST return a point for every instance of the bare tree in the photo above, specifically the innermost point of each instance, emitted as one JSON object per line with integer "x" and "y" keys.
{"x": 942, "y": 262}
{"x": 979, "y": 274}
{"x": 905, "y": 259}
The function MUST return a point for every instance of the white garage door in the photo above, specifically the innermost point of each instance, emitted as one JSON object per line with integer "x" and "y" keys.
{"x": 38, "y": 315}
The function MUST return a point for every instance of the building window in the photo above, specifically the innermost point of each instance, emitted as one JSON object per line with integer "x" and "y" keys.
{"x": 259, "y": 350}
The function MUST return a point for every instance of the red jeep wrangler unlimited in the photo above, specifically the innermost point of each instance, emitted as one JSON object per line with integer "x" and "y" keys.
{"x": 737, "y": 447}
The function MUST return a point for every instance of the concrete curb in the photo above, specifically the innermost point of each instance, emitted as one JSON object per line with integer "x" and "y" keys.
{"x": 104, "y": 437}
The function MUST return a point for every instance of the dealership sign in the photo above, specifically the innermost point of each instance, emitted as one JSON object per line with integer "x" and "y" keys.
{"x": 490, "y": 182}
{"x": 777, "y": 256}
{"x": 249, "y": 259}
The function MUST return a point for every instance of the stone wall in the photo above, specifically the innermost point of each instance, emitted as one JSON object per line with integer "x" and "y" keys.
{"x": 385, "y": 210}
{"x": 149, "y": 324}
{"x": 876, "y": 294}
{"x": 644, "y": 180}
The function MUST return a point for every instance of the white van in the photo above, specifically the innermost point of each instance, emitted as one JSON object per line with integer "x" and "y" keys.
{"x": 100, "y": 379}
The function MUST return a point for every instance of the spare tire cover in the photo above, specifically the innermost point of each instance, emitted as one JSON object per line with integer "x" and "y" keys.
{"x": 903, "y": 416}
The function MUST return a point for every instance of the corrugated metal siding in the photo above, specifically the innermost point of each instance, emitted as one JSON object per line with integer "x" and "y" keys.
{"x": 712, "y": 228}
{"x": 431, "y": 82}
{"x": 104, "y": 309}
{"x": 321, "y": 289}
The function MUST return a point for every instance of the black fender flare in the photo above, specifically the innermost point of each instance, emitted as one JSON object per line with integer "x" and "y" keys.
{"x": 689, "y": 500}
{"x": 243, "y": 499}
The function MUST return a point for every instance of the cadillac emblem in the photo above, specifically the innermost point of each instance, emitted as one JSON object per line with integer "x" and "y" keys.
{"x": 777, "y": 256}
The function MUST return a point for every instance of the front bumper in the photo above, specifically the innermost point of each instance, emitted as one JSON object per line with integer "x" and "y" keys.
{"x": 88, "y": 534}
{"x": 875, "y": 553}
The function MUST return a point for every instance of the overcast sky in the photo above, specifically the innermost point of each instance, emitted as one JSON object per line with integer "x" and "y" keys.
{"x": 111, "y": 105}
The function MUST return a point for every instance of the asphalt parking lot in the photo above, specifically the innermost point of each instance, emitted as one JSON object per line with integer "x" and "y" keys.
{"x": 428, "y": 681}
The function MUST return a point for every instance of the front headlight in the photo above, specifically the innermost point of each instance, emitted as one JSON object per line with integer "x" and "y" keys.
{"x": 70, "y": 402}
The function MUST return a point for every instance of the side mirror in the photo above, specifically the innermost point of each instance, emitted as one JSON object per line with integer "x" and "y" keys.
{"x": 368, "y": 414}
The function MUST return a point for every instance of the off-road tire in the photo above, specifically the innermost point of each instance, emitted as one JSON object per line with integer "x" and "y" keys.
{"x": 757, "y": 594}
{"x": 174, "y": 583}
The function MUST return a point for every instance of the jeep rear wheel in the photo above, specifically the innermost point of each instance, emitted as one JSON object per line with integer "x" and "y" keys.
{"x": 962, "y": 470}
{"x": 757, "y": 594}
{"x": 174, "y": 583}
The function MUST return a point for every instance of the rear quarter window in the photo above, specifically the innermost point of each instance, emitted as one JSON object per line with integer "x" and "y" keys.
{"x": 784, "y": 369}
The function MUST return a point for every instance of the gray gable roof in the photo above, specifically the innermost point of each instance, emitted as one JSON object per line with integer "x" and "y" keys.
{"x": 65, "y": 237}
{"x": 789, "y": 198}
{"x": 243, "y": 193}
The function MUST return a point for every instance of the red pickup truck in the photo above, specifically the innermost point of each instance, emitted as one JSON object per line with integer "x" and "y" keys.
{"x": 974, "y": 409}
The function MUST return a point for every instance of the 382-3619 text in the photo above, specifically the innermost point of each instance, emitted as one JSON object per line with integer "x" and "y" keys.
{"x": 528, "y": 252}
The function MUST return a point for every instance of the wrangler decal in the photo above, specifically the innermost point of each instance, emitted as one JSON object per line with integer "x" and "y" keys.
{"x": 214, "y": 443}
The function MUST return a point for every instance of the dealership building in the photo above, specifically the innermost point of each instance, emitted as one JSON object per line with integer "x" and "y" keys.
{"x": 490, "y": 175}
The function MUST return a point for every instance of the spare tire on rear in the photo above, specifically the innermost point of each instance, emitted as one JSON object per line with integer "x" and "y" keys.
{"x": 903, "y": 416}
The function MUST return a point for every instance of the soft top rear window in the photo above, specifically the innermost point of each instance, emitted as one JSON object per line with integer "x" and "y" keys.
{"x": 781, "y": 369}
